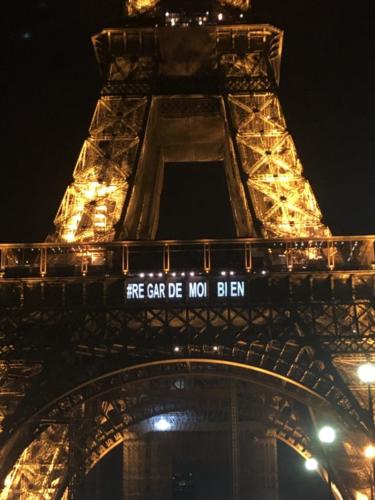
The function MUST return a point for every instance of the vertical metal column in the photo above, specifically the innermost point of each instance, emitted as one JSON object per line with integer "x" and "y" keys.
{"x": 134, "y": 467}
{"x": 75, "y": 453}
{"x": 235, "y": 443}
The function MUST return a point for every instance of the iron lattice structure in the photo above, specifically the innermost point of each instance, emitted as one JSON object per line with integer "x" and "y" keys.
{"x": 108, "y": 198}
{"x": 91, "y": 363}
{"x": 136, "y": 7}
{"x": 92, "y": 205}
{"x": 84, "y": 366}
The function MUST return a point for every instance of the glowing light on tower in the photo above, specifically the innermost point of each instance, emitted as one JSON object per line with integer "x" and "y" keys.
{"x": 311, "y": 464}
{"x": 327, "y": 434}
{"x": 366, "y": 373}
{"x": 162, "y": 424}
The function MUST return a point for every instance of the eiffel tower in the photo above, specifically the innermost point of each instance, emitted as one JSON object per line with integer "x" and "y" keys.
{"x": 110, "y": 336}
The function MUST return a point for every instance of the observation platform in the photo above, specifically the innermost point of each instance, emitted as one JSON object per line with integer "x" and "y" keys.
{"x": 214, "y": 293}
{"x": 138, "y": 61}
{"x": 165, "y": 258}
{"x": 225, "y": 290}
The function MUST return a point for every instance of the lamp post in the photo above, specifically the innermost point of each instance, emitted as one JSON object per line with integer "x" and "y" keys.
{"x": 327, "y": 436}
{"x": 366, "y": 374}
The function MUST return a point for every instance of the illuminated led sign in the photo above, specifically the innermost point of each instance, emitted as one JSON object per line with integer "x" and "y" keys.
{"x": 172, "y": 289}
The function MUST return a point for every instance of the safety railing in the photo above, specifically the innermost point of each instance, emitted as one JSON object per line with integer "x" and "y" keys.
{"x": 170, "y": 256}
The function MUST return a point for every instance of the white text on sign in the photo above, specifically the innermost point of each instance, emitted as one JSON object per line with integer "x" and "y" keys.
{"x": 193, "y": 290}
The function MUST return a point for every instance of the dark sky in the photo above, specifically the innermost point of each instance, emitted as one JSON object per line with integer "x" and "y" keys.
{"x": 50, "y": 84}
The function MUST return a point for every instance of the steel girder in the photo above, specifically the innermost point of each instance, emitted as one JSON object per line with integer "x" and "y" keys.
{"x": 69, "y": 331}
{"x": 137, "y": 7}
{"x": 41, "y": 468}
{"x": 332, "y": 310}
{"x": 283, "y": 200}
{"x": 149, "y": 378}
{"x": 93, "y": 203}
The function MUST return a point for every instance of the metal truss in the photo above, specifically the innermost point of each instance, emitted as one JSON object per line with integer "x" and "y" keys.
{"x": 15, "y": 382}
{"x": 282, "y": 198}
{"x": 248, "y": 59}
{"x": 194, "y": 396}
{"x": 246, "y": 73}
{"x": 247, "y": 56}
{"x": 40, "y": 469}
{"x": 345, "y": 254}
{"x": 330, "y": 309}
{"x": 93, "y": 203}
{"x": 190, "y": 400}
{"x": 76, "y": 339}
{"x": 136, "y": 7}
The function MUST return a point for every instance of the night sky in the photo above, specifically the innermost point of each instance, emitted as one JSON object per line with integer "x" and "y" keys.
{"x": 50, "y": 84}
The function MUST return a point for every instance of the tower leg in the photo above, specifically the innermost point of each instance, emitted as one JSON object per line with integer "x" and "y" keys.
{"x": 258, "y": 468}
{"x": 134, "y": 467}
{"x": 235, "y": 442}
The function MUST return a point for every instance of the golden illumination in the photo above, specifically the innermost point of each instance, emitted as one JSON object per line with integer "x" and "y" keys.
{"x": 34, "y": 476}
{"x": 283, "y": 199}
{"x": 8, "y": 481}
{"x": 238, "y": 4}
{"x": 360, "y": 496}
{"x": 135, "y": 7}
{"x": 89, "y": 209}
{"x": 366, "y": 373}
{"x": 369, "y": 451}
{"x": 93, "y": 203}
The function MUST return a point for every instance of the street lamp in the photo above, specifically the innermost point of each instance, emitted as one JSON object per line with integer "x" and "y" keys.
{"x": 327, "y": 436}
{"x": 366, "y": 374}
{"x": 311, "y": 464}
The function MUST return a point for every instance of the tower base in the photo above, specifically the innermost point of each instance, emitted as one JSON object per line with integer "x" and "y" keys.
{"x": 197, "y": 465}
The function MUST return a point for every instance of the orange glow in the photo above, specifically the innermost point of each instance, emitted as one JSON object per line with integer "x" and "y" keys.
{"x": 92, "y": 204}
{"x": 282, "y": 197}
{"x": 134, "y": 7}
{"x": 369, "y": 451}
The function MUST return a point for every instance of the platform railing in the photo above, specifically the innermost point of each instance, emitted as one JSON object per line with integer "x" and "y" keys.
{"x": 337, "y": 253}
